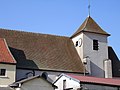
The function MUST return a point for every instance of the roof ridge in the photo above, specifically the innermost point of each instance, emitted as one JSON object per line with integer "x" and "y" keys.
{"x": 21, "y": 31}
{"x": 86, "y": 22}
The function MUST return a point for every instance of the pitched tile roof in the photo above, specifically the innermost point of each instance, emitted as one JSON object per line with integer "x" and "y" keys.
{"x": 103, "y": 81}
{"x": 5, "y": 55}
{"x": 89, "y": 25}
{"x": 42, "y": 51}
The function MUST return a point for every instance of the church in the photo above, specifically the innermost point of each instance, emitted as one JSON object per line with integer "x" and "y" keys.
{"x": 86, "y": 52}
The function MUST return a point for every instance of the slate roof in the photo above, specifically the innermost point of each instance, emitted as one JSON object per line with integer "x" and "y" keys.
{"x": 95, "y": 80}
{"x": 115, "y": 62}
{"x": 5, "y": 54}
{"x": 42, "y": 51}
{"x": 89, "y": 25}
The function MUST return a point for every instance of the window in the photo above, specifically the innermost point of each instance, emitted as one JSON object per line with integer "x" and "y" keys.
{"x": 95, "y": 45}
{"x": 64, "y": 84}
{"x": 2, "y": 72}
{"x": 76, "y": 43}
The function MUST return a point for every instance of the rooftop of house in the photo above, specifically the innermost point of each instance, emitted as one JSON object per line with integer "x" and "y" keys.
{"x": 95, "y": 80}
{"x": 16, "y": 84}
{"x": 5, "y": 54}
{"x": 42, "y": 51}
{"x": 89, "y": 25}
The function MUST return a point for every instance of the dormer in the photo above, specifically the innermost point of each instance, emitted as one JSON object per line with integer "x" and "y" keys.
{"x": 7, "y": 65}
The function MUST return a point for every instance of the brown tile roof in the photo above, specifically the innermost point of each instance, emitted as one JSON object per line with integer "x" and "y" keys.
{"x": 89, "y": 25}
{"x": 42, "y": 51}
{"x": 5, "y": 55}
{"x": 103, "y": 81}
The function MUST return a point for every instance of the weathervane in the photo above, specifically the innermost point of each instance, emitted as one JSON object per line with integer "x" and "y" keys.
{"x": 89, "y": 7}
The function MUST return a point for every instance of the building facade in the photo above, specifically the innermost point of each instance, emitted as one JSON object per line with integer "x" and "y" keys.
{"x": 27, "y": 54}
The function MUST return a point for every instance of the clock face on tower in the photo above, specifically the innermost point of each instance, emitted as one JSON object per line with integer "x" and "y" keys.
{"x": 80, "y": 42}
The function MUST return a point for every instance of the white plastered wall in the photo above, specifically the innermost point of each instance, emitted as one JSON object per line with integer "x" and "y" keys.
{"x": 96, "y": 57}
{"x": 9, "y": 78}
{"x": 79, "y": 49}
{"x": 70, "y": 83}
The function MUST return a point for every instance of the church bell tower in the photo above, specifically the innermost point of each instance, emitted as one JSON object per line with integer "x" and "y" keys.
{"x": 90, "y": 41}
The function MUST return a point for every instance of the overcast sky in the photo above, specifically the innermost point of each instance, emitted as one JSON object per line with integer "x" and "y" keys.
{"x": 61, "y": 17}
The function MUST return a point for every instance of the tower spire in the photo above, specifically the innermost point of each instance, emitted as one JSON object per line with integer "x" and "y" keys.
{"x": 89, "y": 7}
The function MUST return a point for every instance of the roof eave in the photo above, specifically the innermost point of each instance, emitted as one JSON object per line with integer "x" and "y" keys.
{"x": 99, "y": 83}
{"x": 97, "y": 33}
{"x": 52, "y": 70}
{"x": 89, "y": 32}
{"x": 7, "y": 63}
